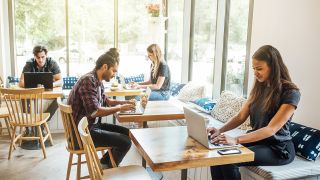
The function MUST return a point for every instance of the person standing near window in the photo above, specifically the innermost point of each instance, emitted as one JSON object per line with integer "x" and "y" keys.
{"x": 160, "y": 77}
{"x": 271, "y": 104}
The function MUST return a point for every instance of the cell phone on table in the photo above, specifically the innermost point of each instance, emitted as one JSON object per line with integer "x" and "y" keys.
{"x": 229, "y": 151}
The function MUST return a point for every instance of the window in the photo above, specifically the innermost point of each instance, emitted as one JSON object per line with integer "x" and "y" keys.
{"x": 204, "y": 43}
{"x": 91, "y": 33}
{"x": 174, "y": 47}
{"x": 38, "y": 22}
{"x": 134, "y": 37}
{"x": 237, "y": 39}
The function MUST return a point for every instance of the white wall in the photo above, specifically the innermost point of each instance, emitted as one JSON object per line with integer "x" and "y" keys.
{"x": 293, "y": 27}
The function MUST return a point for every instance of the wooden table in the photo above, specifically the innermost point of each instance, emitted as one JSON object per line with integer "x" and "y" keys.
{"x": 154, "y": 111}
{"x": 54, "y": 94}
{"x": 123, "y": 92}
{"x": 170, "y": 148}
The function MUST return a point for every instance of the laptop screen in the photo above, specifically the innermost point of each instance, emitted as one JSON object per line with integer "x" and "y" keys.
{"x": 32, "y": 79}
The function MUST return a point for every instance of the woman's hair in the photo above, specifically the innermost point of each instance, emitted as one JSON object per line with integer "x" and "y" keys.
{"x": 111, "y": 58}
{"x": 155, "y": 50}
{"x": 279, "y": 79}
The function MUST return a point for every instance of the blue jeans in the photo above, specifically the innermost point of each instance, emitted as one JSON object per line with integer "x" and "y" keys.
{"x": 157, "y": 96}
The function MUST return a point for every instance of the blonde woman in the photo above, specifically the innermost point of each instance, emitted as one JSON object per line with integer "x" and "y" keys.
{"x": 159, "y": 81}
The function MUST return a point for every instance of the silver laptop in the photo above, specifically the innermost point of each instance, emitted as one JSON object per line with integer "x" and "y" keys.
{"x": 124, "y": 85}
{"x": 139, "y": 108}
{"x": 197, "y": 129}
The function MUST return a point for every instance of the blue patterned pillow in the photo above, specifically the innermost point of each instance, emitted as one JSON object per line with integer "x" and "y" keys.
{"x": 306, "y": 141}
{"x": 138, "y": 78}
{"x": 175, "y": 88}
{"x": 69, "y": 82}
{"x": 204, "y": 104}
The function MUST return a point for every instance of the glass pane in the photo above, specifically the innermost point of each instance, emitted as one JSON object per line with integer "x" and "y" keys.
{"x": 204, "y": 43}
{"x": 38, "y": 22}
{"x": 175, "y": 29}
{"x": 91, "y": 30}
{"x": 237, "y": 40}
{"x": 137, "y": 30}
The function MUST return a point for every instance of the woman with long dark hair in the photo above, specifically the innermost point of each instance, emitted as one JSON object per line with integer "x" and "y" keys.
{"x": 271, "y": 105}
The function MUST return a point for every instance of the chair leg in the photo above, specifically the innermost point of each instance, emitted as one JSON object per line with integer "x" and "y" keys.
{"x": 49, "y": 133}
{"x": 12, "y": 142}
{"x": 6, "y": 120}
{"x": 0, "y": 129}
{"x": 21, "y": 132}
{"x": 79, "y": 167}
{"x": 69, "y": 166}
{"x": 42, "y": 143}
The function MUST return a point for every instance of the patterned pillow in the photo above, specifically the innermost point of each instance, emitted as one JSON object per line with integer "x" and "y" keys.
{"x": 137, "y": 78}
{"x": 175, "y": 88}
{"x": 69, "y": 82}
{"x": 191, "y": 92}
{"x": 204, "y": 104}
{"x": 228, "y": 106}
{"x": 306, "y": 141}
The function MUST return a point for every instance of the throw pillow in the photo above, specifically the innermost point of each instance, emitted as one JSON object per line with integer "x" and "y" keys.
{"x": 175, "y": 88}
{"x": 228, "y": 106}
{"x": 204, "y": 104}
{"x": 191, "y": 92}
{"x": 306, "y": 141}
{"x": 138, "y": 78}
{"x": 69, "y": 82}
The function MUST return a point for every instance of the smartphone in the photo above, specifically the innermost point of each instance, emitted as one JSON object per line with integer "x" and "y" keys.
{"x": 229, "y": 151}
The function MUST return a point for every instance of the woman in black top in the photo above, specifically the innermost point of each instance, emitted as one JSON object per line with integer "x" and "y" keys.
{"x": 159, "y": 81}
{"x": 271, "y": 105}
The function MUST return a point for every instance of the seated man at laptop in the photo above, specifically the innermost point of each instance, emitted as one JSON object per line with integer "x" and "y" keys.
{"x": 87, "y": 98}
{"x": 41, "y": 63}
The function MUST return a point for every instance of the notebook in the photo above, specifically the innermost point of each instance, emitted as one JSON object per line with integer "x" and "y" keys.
{"x": 139, "y": 108}
{"x": 33, "y": 79}
{"x": 197, "y": 129}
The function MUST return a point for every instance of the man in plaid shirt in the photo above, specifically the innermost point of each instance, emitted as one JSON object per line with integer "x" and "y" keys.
{"x": 87, "y": 99}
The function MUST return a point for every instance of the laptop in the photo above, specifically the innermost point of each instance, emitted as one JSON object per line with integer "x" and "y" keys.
{"x": 197, "y": 129}
{"x": 124, "y": 85}
{"x": 32, "y": 79}
{"x": 139, "y": 108}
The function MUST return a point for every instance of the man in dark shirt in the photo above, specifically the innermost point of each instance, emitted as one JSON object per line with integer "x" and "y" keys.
{"x": 87, "y": 99}
{"x": 41, "y": 63}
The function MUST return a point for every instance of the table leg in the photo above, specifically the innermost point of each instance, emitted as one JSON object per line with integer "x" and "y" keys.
{"x": 184, "y": 174}
{"x": 144, "y": 164}
{"x": 113, "y": 117}
{"x": 145, "y": 124}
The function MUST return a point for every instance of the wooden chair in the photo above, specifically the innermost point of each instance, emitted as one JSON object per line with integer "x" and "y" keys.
{"x": 25, "y": 110}
{"x": 4, "y": 114}
{"x": 94, "y": 166}
{"x": 74, "y": 144}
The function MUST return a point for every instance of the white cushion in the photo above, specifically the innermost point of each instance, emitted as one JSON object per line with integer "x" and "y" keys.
{"x": 228, "y": 106}
{"x": 191, "y": 91}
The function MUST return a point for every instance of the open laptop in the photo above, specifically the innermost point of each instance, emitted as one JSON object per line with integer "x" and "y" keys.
{"x": 139, "y": 108}
{"x": 197, "y": 129}
{"x": 32, "y": 79}
{"x": 124, "y": 85}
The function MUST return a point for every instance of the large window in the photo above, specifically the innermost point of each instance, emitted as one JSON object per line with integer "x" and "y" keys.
{"x": 133, "y": 37}
{"x": 204, "y": 43}
{"x": 174, "y": 46}
{"x": 237, "y": 39}
{"x": 38, "y": 22}
{"x": 91, "y": 33}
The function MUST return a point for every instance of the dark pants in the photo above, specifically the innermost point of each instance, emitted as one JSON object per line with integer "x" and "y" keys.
{"x": 264, "y": 155}
{"x": 114, "y": 136}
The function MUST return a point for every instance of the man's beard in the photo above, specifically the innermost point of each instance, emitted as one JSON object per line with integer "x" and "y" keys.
{"x": 106, "y": 77}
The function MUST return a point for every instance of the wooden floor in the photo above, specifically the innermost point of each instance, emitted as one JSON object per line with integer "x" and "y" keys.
{"x": 29, "y": 164}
